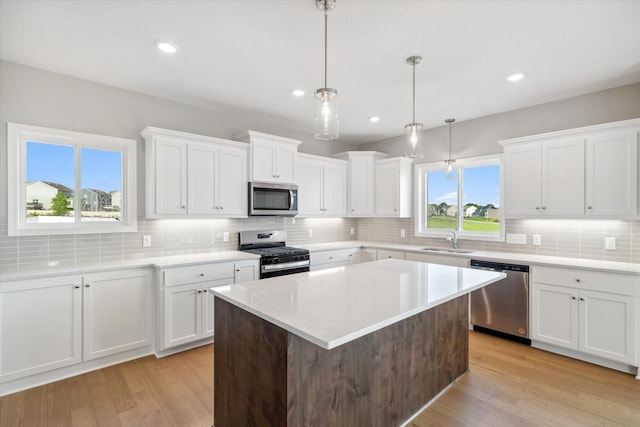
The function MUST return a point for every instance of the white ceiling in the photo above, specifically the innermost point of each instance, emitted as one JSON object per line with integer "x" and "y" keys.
{"x": 248, "y": 55}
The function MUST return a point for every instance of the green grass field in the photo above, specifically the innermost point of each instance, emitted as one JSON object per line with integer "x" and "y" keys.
{"x": 483, "y": 225}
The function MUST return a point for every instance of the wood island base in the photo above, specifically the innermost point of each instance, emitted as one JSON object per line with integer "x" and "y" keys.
{"x": 267, "y": 376}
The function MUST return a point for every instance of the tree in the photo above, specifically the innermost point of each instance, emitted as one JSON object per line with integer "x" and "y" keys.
{"x": 59, "y": 205}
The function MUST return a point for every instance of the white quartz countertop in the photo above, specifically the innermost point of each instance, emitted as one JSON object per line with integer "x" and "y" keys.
{"x": 334, "y": 306}
{"x": 508, "y": 257}
{"x": 157, "y": 262}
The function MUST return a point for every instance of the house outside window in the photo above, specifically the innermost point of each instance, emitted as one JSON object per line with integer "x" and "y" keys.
{"x": 466, "y": 199}
{"x": 69, "y": 182}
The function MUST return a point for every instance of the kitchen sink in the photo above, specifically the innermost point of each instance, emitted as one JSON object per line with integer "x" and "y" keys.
{"x": 453, "y": 251}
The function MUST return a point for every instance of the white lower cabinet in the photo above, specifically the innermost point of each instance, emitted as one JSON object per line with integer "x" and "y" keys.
{"x": 187, "y": 307}
{"x": 58, "y": 327}
{"x": 437, "y": 259}
{"x": 335, "y": 258}
{"x": 386, "y": 253}
{"x": 118, "y": 313}
{"x": 368, "y": 254}
{"x": 593, "y": 313}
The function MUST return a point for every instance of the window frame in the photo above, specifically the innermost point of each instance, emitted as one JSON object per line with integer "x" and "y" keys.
{"x": 17, "y": 137}
{"x": 422, "y": 169}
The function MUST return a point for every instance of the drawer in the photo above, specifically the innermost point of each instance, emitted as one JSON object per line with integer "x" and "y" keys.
{"x": 385, "y": 253}
{"x": 627, "y": 284}
{"x": 197, "y": 273}
{"x": 342, "y": 255}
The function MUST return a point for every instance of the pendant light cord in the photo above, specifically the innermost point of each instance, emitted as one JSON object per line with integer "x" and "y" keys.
{"x": 414, "y": 92}
{"x": 450, "y": 142}
{"x": 325, "y": 45}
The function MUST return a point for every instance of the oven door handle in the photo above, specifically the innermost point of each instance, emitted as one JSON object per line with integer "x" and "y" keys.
{"x": 284, "y": 266}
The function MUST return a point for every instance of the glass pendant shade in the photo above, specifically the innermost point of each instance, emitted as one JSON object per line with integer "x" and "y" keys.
{"x": 326, "y": 121}
{"x": 413, "y": 131}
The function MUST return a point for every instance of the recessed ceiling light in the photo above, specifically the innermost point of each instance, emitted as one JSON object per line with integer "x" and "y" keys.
{"x": 297, "y": 92}
{"x": 516, "y": 77}
{"x": 166, "y": 47}
{"x": 374, "y": 119}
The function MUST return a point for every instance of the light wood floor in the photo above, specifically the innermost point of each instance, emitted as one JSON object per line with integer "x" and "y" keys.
{"x": 508, "y": 384}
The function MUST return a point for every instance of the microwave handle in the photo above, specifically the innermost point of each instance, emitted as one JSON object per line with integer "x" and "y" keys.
{"x": 291, "y": 199}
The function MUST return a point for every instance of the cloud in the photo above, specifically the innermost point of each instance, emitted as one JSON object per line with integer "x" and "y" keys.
{"x": 448, "y": 198}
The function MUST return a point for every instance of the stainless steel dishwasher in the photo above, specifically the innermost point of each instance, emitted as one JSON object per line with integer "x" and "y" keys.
{"x": 503, "y": 307}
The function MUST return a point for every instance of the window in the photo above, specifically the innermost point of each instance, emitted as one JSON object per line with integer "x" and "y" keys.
{"x": 466, "y": 199}
{"x": 69, "y": 182}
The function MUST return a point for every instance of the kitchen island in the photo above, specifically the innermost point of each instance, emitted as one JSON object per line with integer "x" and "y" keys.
{"x": 364, "y": 345}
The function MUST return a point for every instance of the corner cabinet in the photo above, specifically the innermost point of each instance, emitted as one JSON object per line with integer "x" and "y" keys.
{"x": 393, "y": 187}
{"x": 360, "y": 183}
{"x": 589, "y": 172}
{"x": 322, "y": 185}
{"x": 589, "y": 313}
{"x": 194, "y": 176}
{"x": 272, "y": 158}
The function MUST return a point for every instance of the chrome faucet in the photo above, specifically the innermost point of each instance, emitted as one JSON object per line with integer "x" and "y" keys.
{"x": 453, "y": 240}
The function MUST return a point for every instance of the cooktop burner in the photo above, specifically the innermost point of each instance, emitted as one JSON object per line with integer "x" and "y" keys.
{"x": 277, "y": 251}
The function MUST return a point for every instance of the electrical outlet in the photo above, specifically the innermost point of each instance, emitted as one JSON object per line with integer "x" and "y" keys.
{"x": 225, "y": 236}
{"x": 310, "y": 233}
{"x": 146, "y": 241}
{"x": 517, "y": 239}
{"x": 610, "y": 243}
{"x": 402, "y": 233}
{"x": 537, "y": 240}
{"x": 353, "y": 231}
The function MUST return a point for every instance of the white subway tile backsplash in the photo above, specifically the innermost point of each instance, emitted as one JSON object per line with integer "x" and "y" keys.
{"x": 562, "y": 238}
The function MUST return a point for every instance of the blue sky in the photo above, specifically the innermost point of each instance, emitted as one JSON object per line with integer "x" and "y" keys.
{"x": 481, "y": 186}
{"x": 101, "y": 169}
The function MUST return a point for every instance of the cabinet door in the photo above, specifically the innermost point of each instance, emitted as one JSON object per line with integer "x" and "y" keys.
{"x": 554, "y": 315}
{"x": 310, "y": 187}
{"x": 562, "y": 178}
{"x": 335, "y": 189}
{"x": 208, "y": 299}
{"x": 612, "y": 174}
{"x": 361, "y": 187}
{"x": 522, "y": 194}
{"x": 287, "y": 155}
{"x": 233, "y": 182}
{"x": 117, "y": 312}
{"x": 40, "y": 326}
{"x": 246, "y": 271}
{"x": 263, "y": 160}
{"x": 203, "y": 176}
{"x": 171, "y": 176}
{"x": 607, "y": 325}
{"x": 354, "y": 257}
{"x": 387, "y": 181}
{"x": 182, "y": 314}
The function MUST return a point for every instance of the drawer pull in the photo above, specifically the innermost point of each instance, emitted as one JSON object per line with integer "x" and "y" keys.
{"x": 581, "y": 299}
{"x": 77, "y": 287}
{"x": 577, "y": 280}
{"x": 201, "y": 274}
{"x": 573, "y": 298}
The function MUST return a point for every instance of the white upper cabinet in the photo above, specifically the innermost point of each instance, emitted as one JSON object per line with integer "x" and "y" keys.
{"x": 545, "y": 178}
{"x": 194, "y": 176}
{"x": 360, "y": 184}
{"x": 322, "y": 186}
{"x": 612, "y": 173}
{"x": 586, "y": 172}
{"x": 272, "y": 158}
{"x": 393, "y": 187}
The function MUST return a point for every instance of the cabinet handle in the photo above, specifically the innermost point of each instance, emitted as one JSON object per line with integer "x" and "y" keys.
{"x": 589, "y": 207}
{"x": 577, "y": 280}
{"x": 183, "y": 207}
{"x": 573, "y": 298}
{"x": 544, "y": 208}
{"x": 238, "y": 270}
{"x": 77, "y": 286}
{"x": 330, "y": 257}
{"x": 88, "y": 285}
{"x": 581, "y": 299}
{"x": 201, "y": 274}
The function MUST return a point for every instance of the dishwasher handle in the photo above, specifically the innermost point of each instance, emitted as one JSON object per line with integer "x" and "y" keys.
{"x": 498, "y": 266}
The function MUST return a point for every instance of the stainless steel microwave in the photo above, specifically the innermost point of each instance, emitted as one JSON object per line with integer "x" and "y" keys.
{"x": 273, "y": 199}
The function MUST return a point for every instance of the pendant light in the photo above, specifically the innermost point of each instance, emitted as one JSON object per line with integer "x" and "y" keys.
{"x": 413, "y": 128}
{"x": 326, "y": 98}
{"x": 450, "y": 162}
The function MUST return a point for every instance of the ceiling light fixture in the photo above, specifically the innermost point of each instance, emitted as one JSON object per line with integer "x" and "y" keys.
{"x": 413, "y": 128}
{"x": 166, "y": 47}
{"x": 374, "y": 119}
{"x": 450, "y": 162}
{"x": 297, "y": 92}
{"x": 326, "y": 98}
{"x": 515, "y": 77}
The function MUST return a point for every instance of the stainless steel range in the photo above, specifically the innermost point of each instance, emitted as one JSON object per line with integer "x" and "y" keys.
{"x": 276, "y": 258}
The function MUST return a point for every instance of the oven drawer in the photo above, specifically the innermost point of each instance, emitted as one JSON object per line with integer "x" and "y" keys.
{"x": 197, "y": 273}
